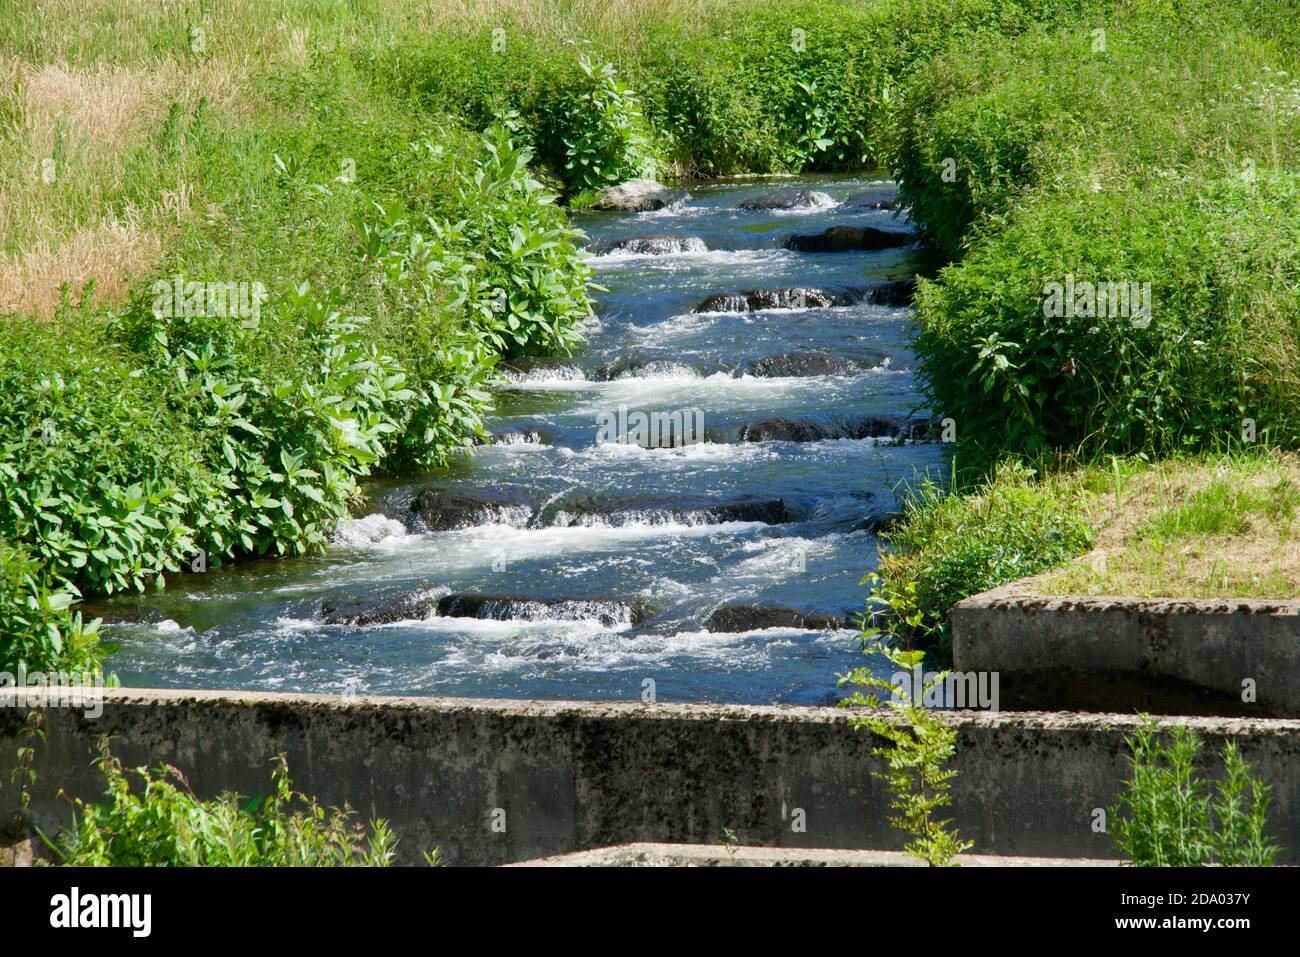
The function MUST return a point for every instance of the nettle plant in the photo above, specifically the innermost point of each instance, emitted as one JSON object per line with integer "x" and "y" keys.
{"x": 39, "y": 630}
{"x": 809, "y": 126}
{"x": 95, "y": 482}
{"x": 504, "y": 280}
{"x": 286, "y": 445}
{"x": 606, "y": 139}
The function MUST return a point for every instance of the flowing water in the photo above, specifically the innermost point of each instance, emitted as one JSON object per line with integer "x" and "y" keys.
{"x": 654, "y": 539}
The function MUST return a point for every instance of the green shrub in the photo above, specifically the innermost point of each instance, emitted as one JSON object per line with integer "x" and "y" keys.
{"x": 504, "y": 279}
{"x": 947, "y": 546}
{"x": 1167, "y": 816}
{"x": 286, "y": 444}
{"x": 161, "y": 823}
{"x": 39, "y": 630}
{"x": 1218, "y": 346}
{"x": 98, "y": 483}
{"x": 605, "y": 139}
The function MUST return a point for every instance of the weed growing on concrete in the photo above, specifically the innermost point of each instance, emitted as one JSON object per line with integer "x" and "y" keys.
{"x": 1168, "y": 817}
{"x": 918, "y": 744}
{"x": 163, "y": 823}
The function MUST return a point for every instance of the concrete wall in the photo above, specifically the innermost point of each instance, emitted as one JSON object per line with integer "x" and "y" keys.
{"x": 571, "y": 776}
{"x": 1173, "y": 656}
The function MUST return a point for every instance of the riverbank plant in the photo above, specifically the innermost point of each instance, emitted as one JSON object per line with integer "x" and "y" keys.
{"x": 153, "y": 819}
{"x": 1128, "y": 274}
{"x": 1169, "y": 816}
{"x": 950, "y": 544}
{"x": 40, "y": 629}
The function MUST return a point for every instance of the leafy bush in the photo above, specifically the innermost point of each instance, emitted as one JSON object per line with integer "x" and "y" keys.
{"x": 98, "y": 483}
{"x": 39, "y": 630}
{"x": 165, "y": 825}
{"x": 605, "y": 139}
{"x": 1217, "y": 347}
{"x": 948, "y": 546}
{"x": 504, "y": 280}
{"x": 285, "y": 443}
{"x": 1167, "y": 816}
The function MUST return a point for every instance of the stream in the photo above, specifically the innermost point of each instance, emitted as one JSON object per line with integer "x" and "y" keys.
{"x": 567, "y": 560}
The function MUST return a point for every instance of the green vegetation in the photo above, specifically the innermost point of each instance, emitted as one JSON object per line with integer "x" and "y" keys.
{"x": 160, "y": 823}
{"x": 918, "y": 745}
{"x": 1072, "y": 156}
{"x": 1168, "y": 817}
{"x": 606, "y": 140}
{"x": 39, "y": 629}
{"x": 948, "y": 546}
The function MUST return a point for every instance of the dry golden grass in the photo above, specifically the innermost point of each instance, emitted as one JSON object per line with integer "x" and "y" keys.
{"x": 1194, "y": 529}
{"x": 111, "y": 253}
{"x": 62, "y": 227}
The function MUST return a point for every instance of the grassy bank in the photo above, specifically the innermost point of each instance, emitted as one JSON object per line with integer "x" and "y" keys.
{"x": 1120, "y": 198}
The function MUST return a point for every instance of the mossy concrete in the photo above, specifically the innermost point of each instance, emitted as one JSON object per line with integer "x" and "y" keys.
{"x": 568, "y": 776}
{"x": 726, "y": 855}
{"x": 1173, "y": 656}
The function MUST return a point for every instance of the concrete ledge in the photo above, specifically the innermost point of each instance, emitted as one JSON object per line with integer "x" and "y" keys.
{"x": 701, "y": 855}
{"x": 1171, "y": 656}
{"x": 569, "y": 776}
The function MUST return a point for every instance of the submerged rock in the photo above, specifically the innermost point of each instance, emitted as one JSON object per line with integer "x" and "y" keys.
{"x": 884, "y": 196}
{"x": 442, "y": 510}
{"x": 634, "y": 196}
{"x": 737, "y": 618}
{"x": 878, "y": 523}
{"x": 647, "y": 511}
{"x": 838, "y": 239}
{"x": 891, "y": 292}
{"x": 801, "y": 363}
{"x": 609, "y": 612}
{"x": 875, "y": 425}
{"x": 751, "y": 300}
{"x": 635, "y": 367}
{"x": 410, "y": 606}
{"x": 662, "y": 244}
{"x": 793, "y": 197}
